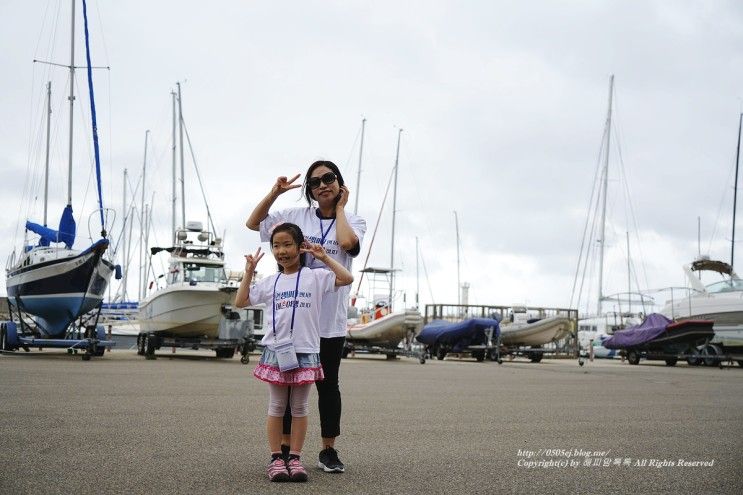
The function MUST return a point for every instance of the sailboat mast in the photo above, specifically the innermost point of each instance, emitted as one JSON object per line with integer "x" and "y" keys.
{"x": 417, "y": 275}
{"x": 735, "y": 198}
{"x": 394, "y": 211}
{"x": 142, "y": 220}
{"x": 629, "y": 278}
{"x": 605, "y": 184}
{"x": 124, "y": 262}
{"x": 459, "y": 285}
{"x": 358, "y": 174}
{"x": 48, "y": 127}
{"x": 183, "y": 176}
{"x": 172, "y": 223}
{"x": 72, "y": 103}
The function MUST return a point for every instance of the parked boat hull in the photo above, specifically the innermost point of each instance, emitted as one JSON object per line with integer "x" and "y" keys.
{"x": 539, "y": 332}
{"x": 59, "y": 291}
{"x": 682, "y": 335}
{"x": 183, "y": 310}
{"x": 387, "y": 331}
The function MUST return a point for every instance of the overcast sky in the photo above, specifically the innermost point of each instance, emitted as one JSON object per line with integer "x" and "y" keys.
{"x": 503, "y": 106}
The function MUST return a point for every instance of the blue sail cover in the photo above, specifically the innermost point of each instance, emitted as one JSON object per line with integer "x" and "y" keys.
{"x": 651, "y": 327}
{"x": 459, "y": 335}
{"x": 66, "y": 232}
{"x": 94, "y": 120}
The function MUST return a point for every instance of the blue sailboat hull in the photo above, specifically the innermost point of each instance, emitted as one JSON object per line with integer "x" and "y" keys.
{"x": 58, "y": 291}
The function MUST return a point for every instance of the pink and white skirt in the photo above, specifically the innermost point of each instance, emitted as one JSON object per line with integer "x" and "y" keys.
{"x": 309, "y": 371}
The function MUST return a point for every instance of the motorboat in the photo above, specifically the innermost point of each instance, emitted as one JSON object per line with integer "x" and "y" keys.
{"x": 386, "y": 331}
{"x": 197, "y": 292}
{"x": 662, "y": 336}
{"x": 535, "y": 332}
{"x": 721, "y": 301}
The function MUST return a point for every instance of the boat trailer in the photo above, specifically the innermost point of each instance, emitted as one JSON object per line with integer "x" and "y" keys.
{"x": 235, "y": 334}
{"x": 408, "y": 347}
{"x": 84, "y": 335}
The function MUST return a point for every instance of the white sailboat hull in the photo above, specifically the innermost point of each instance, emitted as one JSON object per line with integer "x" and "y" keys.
{"x": 538, "y": 333}
{"x": 183, "y": 310}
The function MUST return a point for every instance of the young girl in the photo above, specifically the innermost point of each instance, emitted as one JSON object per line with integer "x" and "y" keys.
{"x": 326, "y": 222}
{"x": 294, "y": 297}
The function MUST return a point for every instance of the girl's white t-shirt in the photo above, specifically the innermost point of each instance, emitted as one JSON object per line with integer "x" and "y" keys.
{"x": 334, "y": 312}
{"x": 314, "y": 286}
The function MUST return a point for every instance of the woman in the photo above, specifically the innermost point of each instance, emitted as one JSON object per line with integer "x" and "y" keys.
{"x": 323, "y": 222}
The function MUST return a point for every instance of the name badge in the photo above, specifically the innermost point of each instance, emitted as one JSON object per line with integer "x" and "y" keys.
{"x": 286, "y": 355}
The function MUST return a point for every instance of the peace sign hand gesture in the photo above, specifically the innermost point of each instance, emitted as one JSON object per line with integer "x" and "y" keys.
{"x": 283, "y": 184}
{"x": 251, "y": 261}
{"x": 315, "y": 250}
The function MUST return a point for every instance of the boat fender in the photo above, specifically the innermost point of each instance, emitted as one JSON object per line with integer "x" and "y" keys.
{"x": 118, "y": 272}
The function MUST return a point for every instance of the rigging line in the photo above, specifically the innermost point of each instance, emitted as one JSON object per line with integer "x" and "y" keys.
{"x": 723, "y": 198}
{"x": 84, "y": 124}
{"x": 102, "y": 33}
{"x": 590, "y": 250}
{"x": 632, "y": 215}
{"x": 132, "y": 252}
{"x": 29, "y": 138}
{"x": 374, "y": 234}
{"x": 351, "y": 151}
{"x": 414, "y": 174}
{"x": 198, "y": 175}
{"x": 588, "y": 217}
{"x": 428, "y": 281}
{"x": 633, "y": 269}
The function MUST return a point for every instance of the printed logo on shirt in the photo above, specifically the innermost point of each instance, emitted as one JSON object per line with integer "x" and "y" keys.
{"x": 331, "y": 245}
{"x": 286, "y": 300}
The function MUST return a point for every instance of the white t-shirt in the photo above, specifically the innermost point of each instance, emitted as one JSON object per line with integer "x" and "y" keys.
{"x": 334, "y": 311}
{"x": 314, "y": 286}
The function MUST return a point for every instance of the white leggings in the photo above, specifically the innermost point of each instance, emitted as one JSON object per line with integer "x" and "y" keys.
{"x": 297, "y": 395}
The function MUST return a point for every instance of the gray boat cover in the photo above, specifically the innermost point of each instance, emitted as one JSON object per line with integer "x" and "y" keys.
{"x": 652, "y": 326}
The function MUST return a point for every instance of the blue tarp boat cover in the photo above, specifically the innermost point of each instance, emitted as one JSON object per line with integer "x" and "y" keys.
{"x": 458, "y": 335}
{"x": 652, "y": 326}
{"x": 66, "y": 232}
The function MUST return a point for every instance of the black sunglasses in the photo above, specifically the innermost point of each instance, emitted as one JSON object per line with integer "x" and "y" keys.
{"x": 327, "y": 178}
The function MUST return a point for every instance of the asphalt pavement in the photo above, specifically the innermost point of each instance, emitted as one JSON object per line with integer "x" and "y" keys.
{"x": 190, "y": 423}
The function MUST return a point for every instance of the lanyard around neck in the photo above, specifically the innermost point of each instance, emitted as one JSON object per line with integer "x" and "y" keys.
{"x": 323, "y": 236}
{"x": 324, "y": 233}
{"x": 294, "y": 304}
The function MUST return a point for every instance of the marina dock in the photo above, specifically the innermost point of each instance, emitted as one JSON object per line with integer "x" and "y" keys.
{"x": 190, "y": 423}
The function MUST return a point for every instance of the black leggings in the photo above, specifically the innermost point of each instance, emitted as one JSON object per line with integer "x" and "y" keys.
{"x": 328, "y": 392}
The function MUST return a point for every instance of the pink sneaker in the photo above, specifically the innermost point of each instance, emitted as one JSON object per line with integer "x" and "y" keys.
{"x": 296, "y": 470}
{"x": 277, "y": 470}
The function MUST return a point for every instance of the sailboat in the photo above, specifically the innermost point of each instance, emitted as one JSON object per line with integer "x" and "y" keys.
{"x": 387, "y": 328}
{"x": 50, "y": 281}
{"x": 593, "y": 327}
{"x": 197, "y": 292}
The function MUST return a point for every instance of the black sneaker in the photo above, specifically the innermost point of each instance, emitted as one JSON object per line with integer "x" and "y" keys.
{"x": 329, "y": 461}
